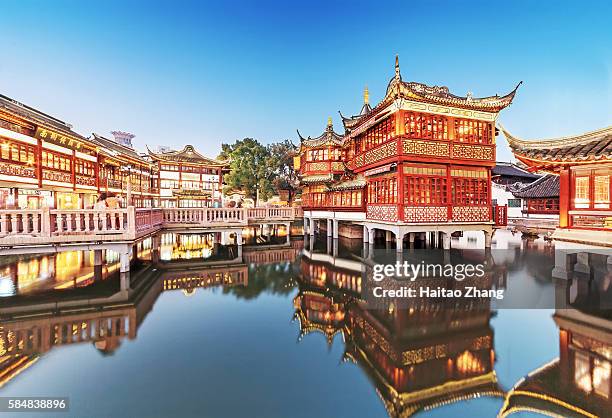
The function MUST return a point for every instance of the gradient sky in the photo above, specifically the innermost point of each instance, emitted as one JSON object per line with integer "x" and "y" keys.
{"x": 205, "y": 73}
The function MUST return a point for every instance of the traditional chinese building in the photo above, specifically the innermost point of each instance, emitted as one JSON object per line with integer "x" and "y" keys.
{"x": 43, "y": 162}
{"x": 419, "y": 161}
{"x": 123, "y": 171}
{"x": 187, "y": 179}
{"x": 583, "y": 164}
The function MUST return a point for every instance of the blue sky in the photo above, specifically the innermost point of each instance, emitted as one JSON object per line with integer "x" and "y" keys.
{"x": 205, "y": 73}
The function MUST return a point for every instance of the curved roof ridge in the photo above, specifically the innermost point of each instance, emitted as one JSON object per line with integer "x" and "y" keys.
{"x": 555, "y": 142}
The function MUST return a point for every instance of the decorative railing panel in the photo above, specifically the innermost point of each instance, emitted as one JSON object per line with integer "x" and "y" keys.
{"x": 471, "y": 213}
{"x": 425, "y": 214}
{"x": 388, "y": 213}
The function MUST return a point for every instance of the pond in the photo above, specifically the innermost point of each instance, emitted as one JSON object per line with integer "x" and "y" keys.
{"x": 284, "y": 331}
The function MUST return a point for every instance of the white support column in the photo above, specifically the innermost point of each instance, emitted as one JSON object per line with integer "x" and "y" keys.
{"x": 427, "y": 239}
{"x": 288, "y": 229}
{"x": 311, "y": 227}
{"x": 399, "y": 242}
{"x": 335, "y": 223}
{"x": 239, "y": 242}
{"x": 488, "y": 238}
{"x": 446, "y": 241}
{"x": 372, "y": 233}
{"x": 124, "y": 259}
{"x": 329, "y": 227}
{"x": 411, "y": 236}
{"x": 124, "y": 267}
{"x": 366, "y": 234}
{"x": 388, "y": 236}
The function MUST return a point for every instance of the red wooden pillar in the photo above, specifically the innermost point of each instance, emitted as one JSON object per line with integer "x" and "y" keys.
{"x": 39, "y": 163}
{"x": 564, "y": 197}
{"x": 73, "y": 170}
{"x": 449, "y": 194}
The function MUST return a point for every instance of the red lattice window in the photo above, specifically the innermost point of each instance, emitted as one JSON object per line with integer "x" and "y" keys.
{"x": 379, "y": 134}
{"x": 383, "y": 190}
{"x": 421, "y": 126}
{"x": 472, "y": 131}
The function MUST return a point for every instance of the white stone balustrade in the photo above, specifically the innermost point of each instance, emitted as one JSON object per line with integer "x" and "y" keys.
{"x": 44, "y": 226}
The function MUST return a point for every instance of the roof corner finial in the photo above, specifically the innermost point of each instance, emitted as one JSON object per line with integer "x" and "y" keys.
{"x": 398, "y": 76}
{"x": 366, "y": 95}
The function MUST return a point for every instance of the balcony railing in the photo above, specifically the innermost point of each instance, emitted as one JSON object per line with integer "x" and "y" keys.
{"x": 48, "y": 226}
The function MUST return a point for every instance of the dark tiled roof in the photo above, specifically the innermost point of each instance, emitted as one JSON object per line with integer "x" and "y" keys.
{"x": 187, "y": 154}
{"x": 546, "y": 186}
{"x": 328, "y": 137}
{"x": 109, "y": 144}
{"x": 35, "y": 116}
{"x": 595, "y": 145}
{"x": 512, "y": 170}
{"x": 357, "y": 182}
{"x": 440, "y": 95}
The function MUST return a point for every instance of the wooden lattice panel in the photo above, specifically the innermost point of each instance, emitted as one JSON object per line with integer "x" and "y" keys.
{"x": 377, "y": 154}
{"x": 85, "y": 181}
{"x": 382, "y": 212}
{"x": 320, "y": 166}
{"x": 471, "y": 213}
{"x": 473, "y": 152}
{"x": 420, "y": 214}
{"x": 15, "y": 170}
{"x": 337, "y": 166}
{"x": 419, "y": 147}
{"x": 55, "y": 176}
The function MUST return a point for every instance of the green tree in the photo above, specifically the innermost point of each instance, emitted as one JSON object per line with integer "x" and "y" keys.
{"x": 249, "y": 168}
{"x": 285, "y": 177}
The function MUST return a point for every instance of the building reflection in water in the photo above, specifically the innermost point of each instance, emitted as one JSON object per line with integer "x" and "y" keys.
{"x": 578, "y": 383}
{"x": 100, "y": 317}
{"x": 418, "y": 355}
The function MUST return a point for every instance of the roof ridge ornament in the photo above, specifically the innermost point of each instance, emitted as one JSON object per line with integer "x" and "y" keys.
{"x": 398, "y": 75}
{"x": 366, "y": 95}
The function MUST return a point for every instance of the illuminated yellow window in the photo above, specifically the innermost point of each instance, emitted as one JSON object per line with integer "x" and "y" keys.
{"x": 601, "y": 377}
{"x": 602, "y": 192}
{"x": 582, "y": 373}
{"x": 581, "y": 192}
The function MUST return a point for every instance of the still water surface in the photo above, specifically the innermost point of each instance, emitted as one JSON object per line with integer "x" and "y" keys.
{"x": 284, "y": 333}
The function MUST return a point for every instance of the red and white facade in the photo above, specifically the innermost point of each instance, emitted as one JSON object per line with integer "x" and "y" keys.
{"x": 583, "y": 164}
{"x": 422, "y": 156}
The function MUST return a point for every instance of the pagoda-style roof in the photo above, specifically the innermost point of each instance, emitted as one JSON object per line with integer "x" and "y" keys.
{"x": 435, "y": 95}
{"x": 546, "y": 186}
{"x": 114, "y": 149}
{"x": 322, "y": 178}
{"x": 36, "y": 117}
{"x": 512, "y": 170}
{"x": 587, "y": 147}
{"x": 397, "y": 88}
{"x": 187, "y": 155}
{"x": 365, "y": 110}
{"x": 328, "y": 137}
{"x": 356, "y": 182}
